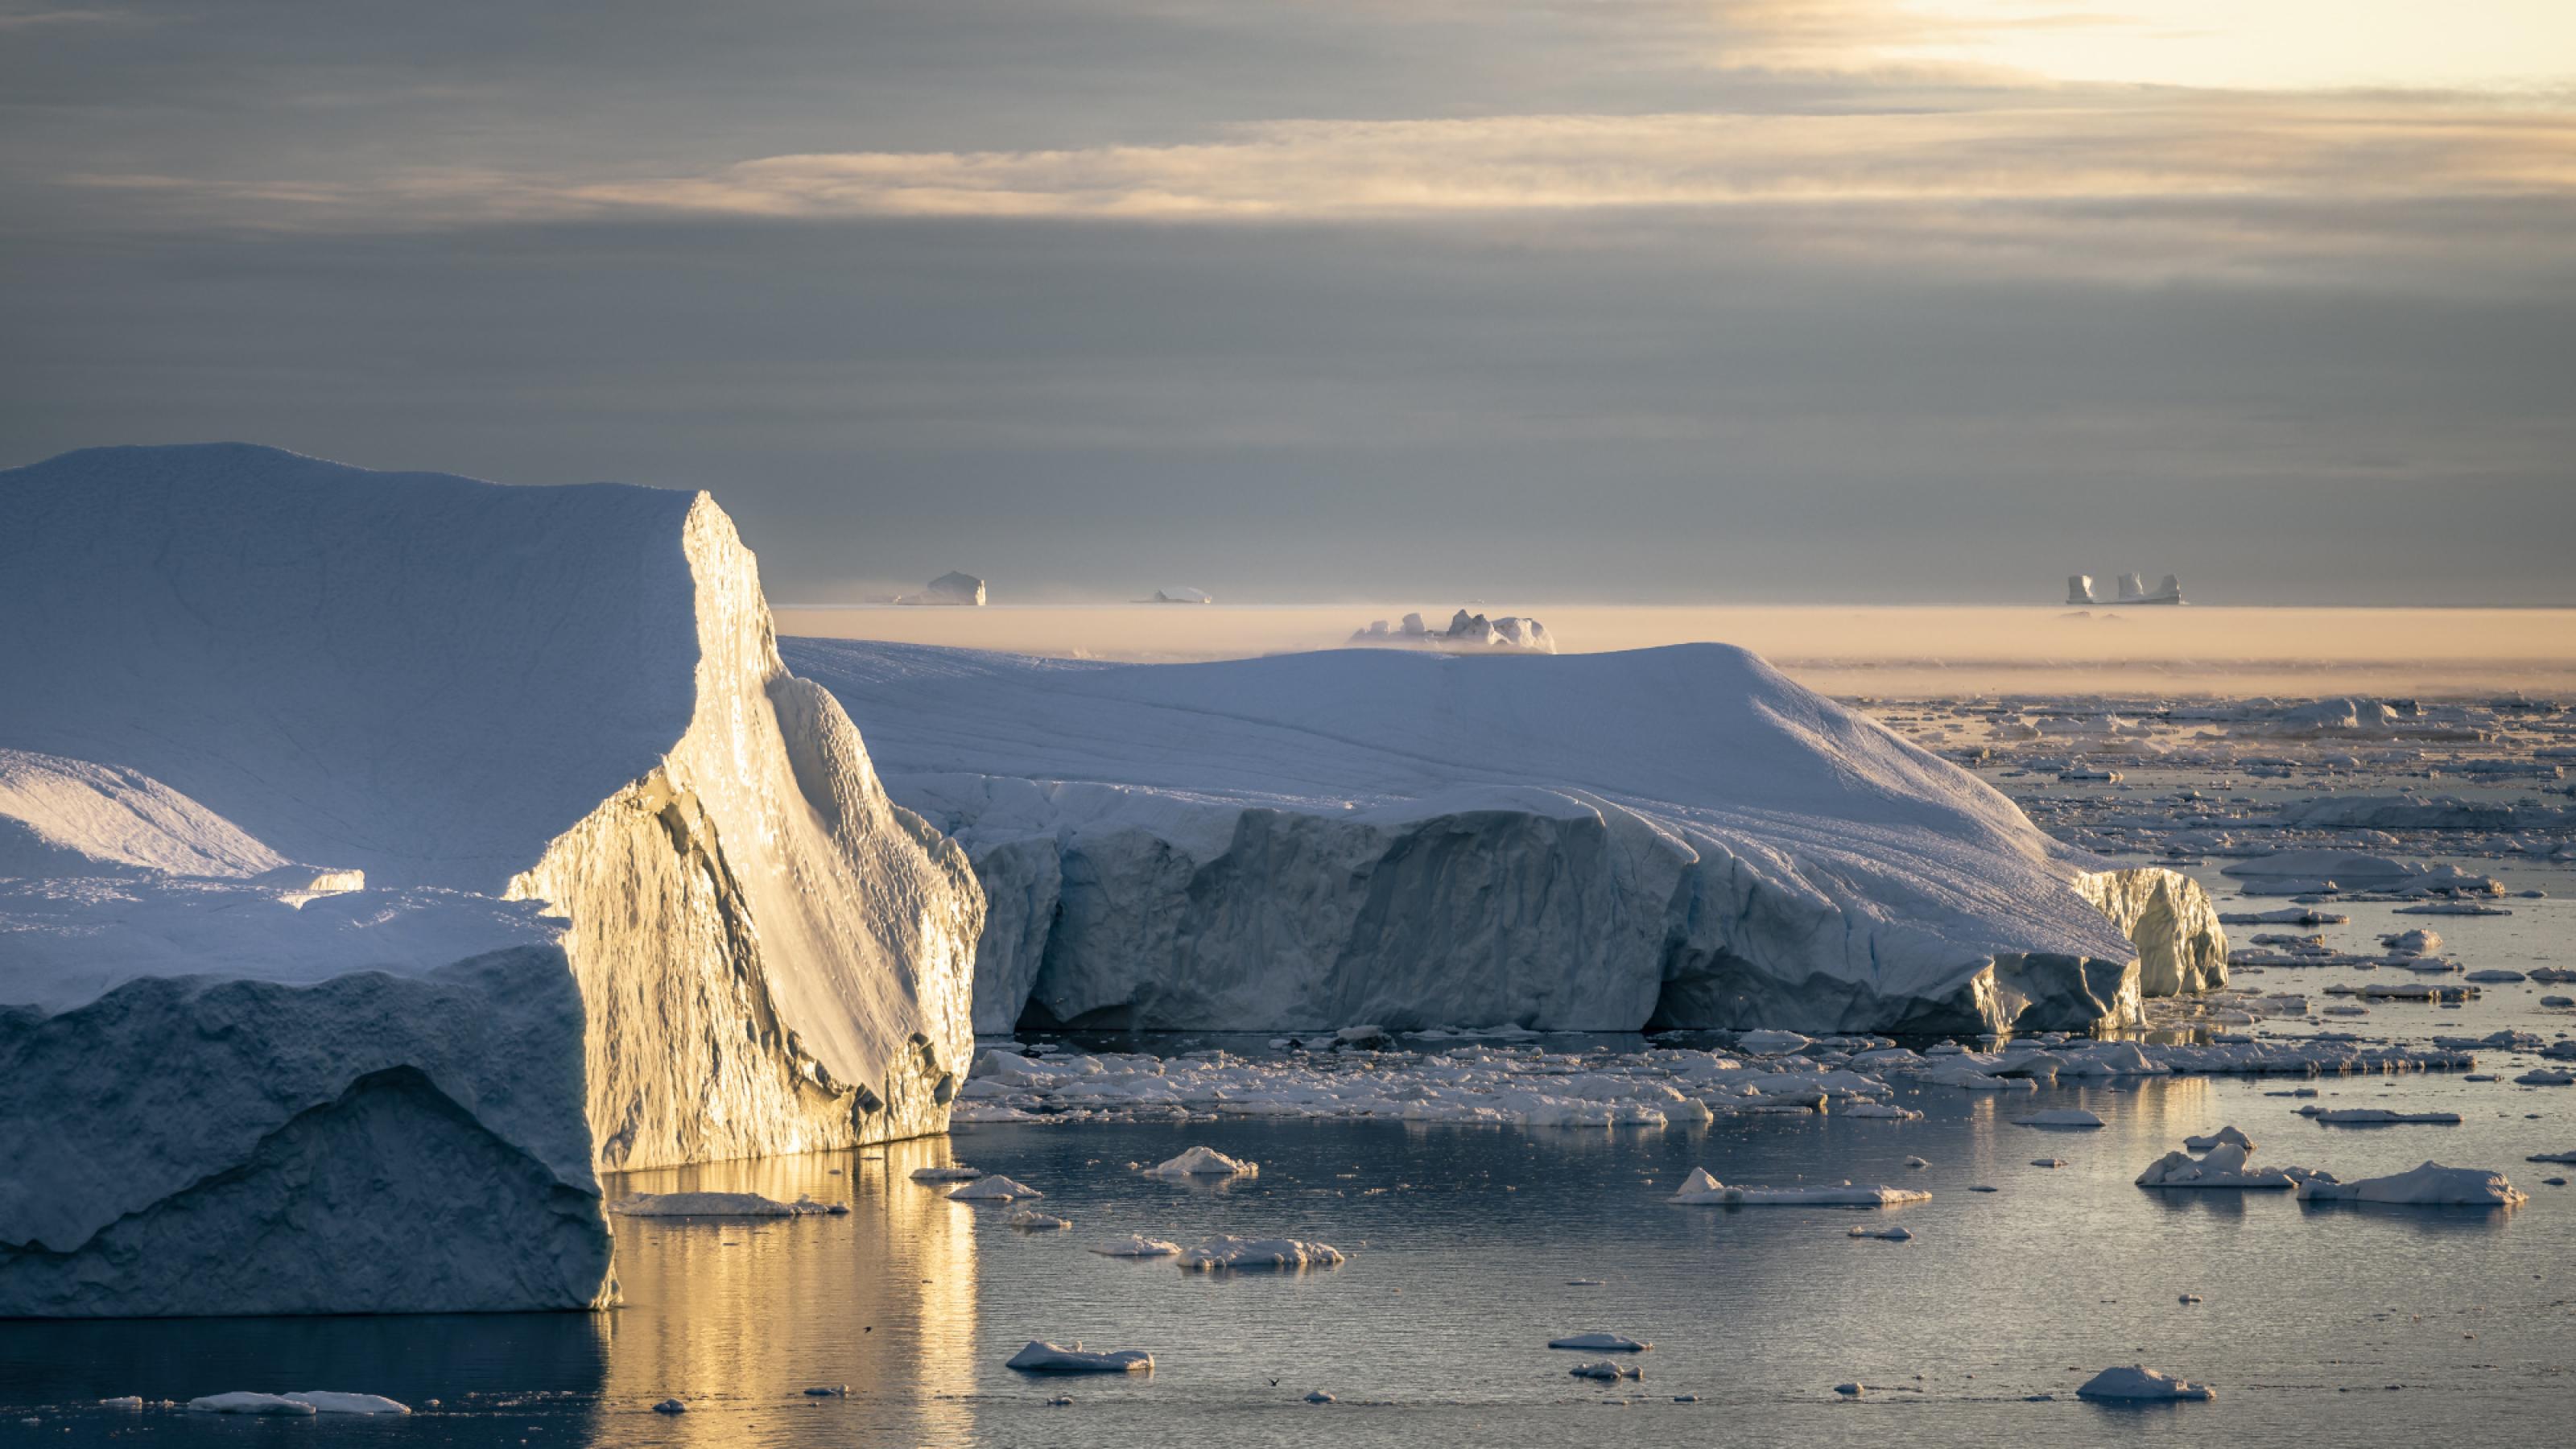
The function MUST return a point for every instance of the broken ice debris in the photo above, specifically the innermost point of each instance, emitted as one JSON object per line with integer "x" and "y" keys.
{"x": 1700, "y": 1188}
{"x": 1228, "y": 1253}
{"x": 1041, "y": 1357}
{"x": 1035, "y": 1221}
{"x": 1137, "y": 1245}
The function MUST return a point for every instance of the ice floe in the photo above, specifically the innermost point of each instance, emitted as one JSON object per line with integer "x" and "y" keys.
{"x": 1204, "y": 1162}
{"x": 720, "y": 1205}
{"x": 1031, "y": 1220}
{"x": 1041, "y": 1357}
{"x": 2060, "y": 1117}
{"x": 996, "y": 1188}
{"x": 2137, "y": 1382}
{"x": 2430, "y": 1185}
{"x": 1137, "y": 1245}
{"x": 1225, "y": 1253}
{"x": 1700, "y": 1188}
{"x": 1599, "y": 1342}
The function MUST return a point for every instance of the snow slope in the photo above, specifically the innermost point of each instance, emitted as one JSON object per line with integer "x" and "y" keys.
{"x": 548, "y": 723}
{"x": 1678, "y": 837}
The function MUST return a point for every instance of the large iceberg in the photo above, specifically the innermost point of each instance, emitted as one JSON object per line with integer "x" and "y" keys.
{"x": 388, "y": 855}
{"x": 1674, "y": 837}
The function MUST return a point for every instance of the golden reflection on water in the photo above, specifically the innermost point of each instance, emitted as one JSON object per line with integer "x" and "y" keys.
{"x": 738, "y": 1317}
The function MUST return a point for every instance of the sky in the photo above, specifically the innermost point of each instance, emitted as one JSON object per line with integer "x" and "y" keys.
{"x": 1741, "y": 301}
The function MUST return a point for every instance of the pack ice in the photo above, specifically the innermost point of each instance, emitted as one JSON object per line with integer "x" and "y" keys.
{"x": 1675, "y": 837}
{"x": 384, "y": 856}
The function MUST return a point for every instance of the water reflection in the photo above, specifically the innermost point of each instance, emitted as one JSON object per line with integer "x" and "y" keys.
{"x": 881, "y": 1300}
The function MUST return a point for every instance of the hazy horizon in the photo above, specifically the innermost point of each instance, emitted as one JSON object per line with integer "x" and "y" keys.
{"x": 1744, "y": 300}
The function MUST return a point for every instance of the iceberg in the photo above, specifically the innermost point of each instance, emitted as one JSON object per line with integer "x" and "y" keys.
{"x": 2430, "y": 1185}
{"x": 2137, "y": 1382}
{"x": 591, "y": 882}
{"x": 1204, "y": 1162}
{"x": 1041, "y": 1357}
{"x": 2224, "y": 1167}
{"x": 994, "y": 1189}
{"x": 949, "y": 588}
{"x": 1675, "y": 837}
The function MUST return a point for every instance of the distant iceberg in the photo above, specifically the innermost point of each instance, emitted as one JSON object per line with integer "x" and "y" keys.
{"x": 1675, "y": 837}
{"x": 408, "y": 851}
{"x": 1467, "y": 633}
{"x": 948, "y": 588}
{"x": 2132, "y": 590}
{"x": 1179, "y": 594}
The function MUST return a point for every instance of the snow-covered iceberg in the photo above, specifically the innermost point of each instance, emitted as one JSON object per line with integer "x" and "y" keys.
{"x": 1678, "y": 837}
{"x": 2428, "y": 1185}
{"x": 588, "y": 881}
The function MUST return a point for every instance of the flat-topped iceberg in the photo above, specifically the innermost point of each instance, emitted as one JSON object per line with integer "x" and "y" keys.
{"x": 1673, "y": 837}
{"x": 588, "y": 881}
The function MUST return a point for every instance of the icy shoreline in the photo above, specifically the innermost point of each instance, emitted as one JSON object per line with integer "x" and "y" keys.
{"x": 1527, "y": 1084}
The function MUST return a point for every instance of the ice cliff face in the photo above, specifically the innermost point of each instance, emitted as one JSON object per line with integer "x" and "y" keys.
{"x": 1673, "y": 837}
{"x": 626, "y": 892}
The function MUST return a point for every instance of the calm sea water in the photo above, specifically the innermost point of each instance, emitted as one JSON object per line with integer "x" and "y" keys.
{"x": 2333, "y": 1323}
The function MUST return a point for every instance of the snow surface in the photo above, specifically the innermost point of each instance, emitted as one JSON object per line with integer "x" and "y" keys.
{"x": 632, "y": 895}
{"x": 1675, "y": 837}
